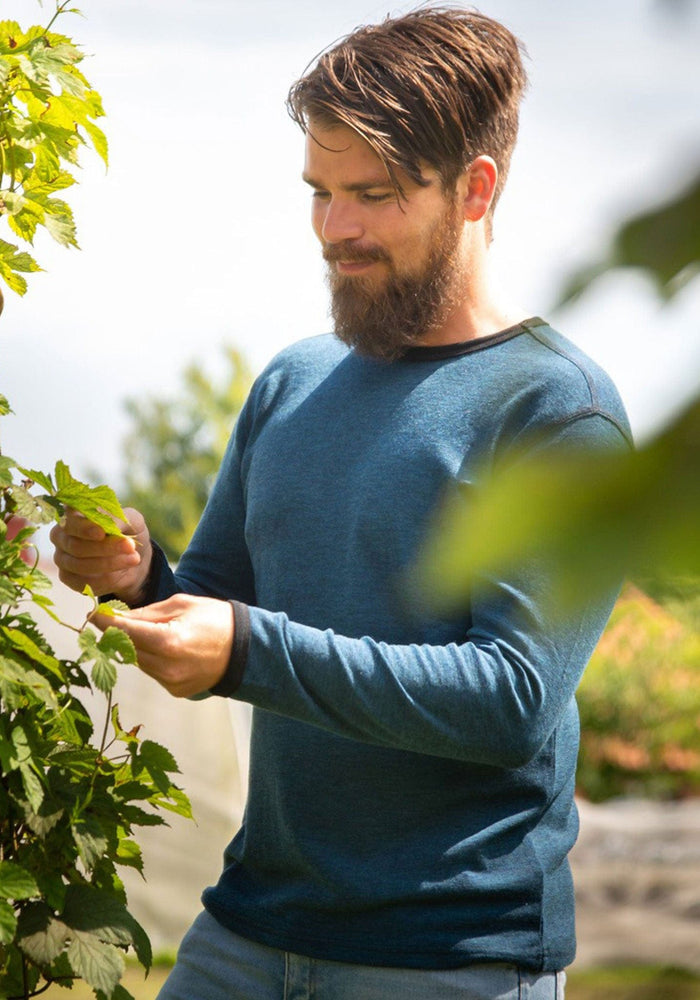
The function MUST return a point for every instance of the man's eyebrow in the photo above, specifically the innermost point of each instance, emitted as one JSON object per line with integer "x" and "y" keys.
{"x": 377, "y": 182}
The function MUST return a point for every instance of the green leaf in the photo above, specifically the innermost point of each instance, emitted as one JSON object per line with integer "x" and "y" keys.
{"x": 21, "y": 641}
{"x": 32, "y": 786}
{"x": 40, "y": 935}
{"x": 38, "y": 510}
{"x": 60, "y": 224}
{"x": 129, "y": 853}
{"x": 90, "y": 840}
{"x": 664, "y": 241}
{"x": 176, "y": 802}
{"x": 40, "y": 478}
{"x": 43, "y": 820}
{"x": 98, "y": 503}
{"x": 6, "y": 467}
{"x": 119, "y": 993}
{"x": 111, "y": 608}
{"x": 113, "y": 647}
{"x": 5, "y": 407}
{"x": 16, "y": 882}
{"x": 99, "y": 964}
{"x": 92, "y": 911}
{"x": 591, "y": 516}
{"x": 16, "y": 260}
{"x": 8, "y": 923}
{"x": 116, "y": 643}
{"x": 154, "y": 755}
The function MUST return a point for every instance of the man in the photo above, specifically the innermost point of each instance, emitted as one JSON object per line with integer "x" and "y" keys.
{"x": 411, "y": 786}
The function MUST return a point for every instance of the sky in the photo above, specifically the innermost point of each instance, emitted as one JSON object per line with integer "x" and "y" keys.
{"x": 198, "y": 234}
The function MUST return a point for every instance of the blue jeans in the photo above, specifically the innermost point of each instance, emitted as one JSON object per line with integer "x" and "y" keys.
{"x": 215, "y": 964}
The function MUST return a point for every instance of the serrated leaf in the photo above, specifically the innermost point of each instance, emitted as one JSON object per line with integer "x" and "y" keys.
{"x": 95, "y": 912}
{"x": 98, "y": 503}
{"x": 175, "y": 802}
{"x": 104, "y": 675}
{"x": 18, "y": 260}
{"x": 8, "y": 923}
{"x": 32, "y": 786}
{"x": 119, "y": 993}
{"x": 155, "y": 755}
{"x": 82, "y": 760}
{"x": 43, "y": 820}
{"x": 114, "y": 647}
{"x": 90, "y": 840}
{"x": 22, "y": 642}
{"x": 111, "y": 608}
{"x": 40, "y": 478}
{"x": 40, "y": 935}
{"x": 61, "y": 227}
{"x": 38, "y": 510}
{"x": 16, "y": 882}
{"x": 62, "y": 475}
{"x": 6, "y": 467}
{"x": 14, "y": 281}
{"x": 116, "y": 643}
{"x": 101, "y": 965}
{"x": 129, "y": 853}
{"x": 99, "y": 141}
{"x": 27, "y": 682}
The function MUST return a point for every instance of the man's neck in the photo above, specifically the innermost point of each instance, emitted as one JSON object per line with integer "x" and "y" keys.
{"x": 476, "y": 311}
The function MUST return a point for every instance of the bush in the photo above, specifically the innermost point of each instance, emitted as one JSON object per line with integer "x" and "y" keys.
{"x": 640, "y": 705}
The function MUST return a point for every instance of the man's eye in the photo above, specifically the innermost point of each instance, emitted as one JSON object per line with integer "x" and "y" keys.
{"x": 376, "y": 198}
{"x": 321, "y": 195}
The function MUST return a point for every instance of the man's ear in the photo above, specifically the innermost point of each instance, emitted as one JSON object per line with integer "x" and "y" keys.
{"x": 477, "y": 187}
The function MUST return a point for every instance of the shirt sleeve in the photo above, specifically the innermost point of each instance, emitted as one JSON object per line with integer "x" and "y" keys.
{"x": 216, "y": 562}
{"x": 494, "y": 698}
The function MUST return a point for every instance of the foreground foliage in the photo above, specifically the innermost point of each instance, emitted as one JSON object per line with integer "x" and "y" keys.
{"x": 47, "y": 112}
{"x": 70, "y": 799}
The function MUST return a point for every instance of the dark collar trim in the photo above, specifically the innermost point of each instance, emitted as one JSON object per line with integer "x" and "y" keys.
{"x": 443, "y": 351}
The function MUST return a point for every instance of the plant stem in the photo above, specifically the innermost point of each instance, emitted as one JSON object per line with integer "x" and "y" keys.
{"x": 59, "y": 10}
{"x": 107, "y": 718}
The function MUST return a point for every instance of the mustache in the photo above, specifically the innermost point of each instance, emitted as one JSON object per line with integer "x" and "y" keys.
{"x": 351, "y": 252}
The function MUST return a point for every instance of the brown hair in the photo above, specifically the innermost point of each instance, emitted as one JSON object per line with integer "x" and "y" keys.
{"x": 438, "y": 85}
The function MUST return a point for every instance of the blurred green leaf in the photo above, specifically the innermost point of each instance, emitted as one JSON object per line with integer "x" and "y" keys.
{"x": 591, "y": 516}
{"x": 664, "y": 241}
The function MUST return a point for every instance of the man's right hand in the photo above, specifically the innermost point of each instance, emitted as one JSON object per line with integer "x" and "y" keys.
{"x": 85, "y": 554}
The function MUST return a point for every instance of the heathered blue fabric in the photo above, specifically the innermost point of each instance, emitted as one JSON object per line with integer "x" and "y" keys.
{"x": 411, "y": 784}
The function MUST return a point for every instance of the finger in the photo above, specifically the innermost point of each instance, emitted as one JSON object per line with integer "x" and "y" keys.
{"x": 108, "y": 548}
{"x": 94, "y": 568}
{"x": 170, "y": 676}
{"x": 147, "y": 636}
{"x": 76, "y": 524}
{"x": 161, "y": 611}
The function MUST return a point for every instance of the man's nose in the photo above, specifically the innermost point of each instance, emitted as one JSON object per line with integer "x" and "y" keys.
{"x": 341, "y": 222}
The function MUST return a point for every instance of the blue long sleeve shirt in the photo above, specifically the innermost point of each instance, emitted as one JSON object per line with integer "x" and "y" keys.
{"x": 412, "y": 778}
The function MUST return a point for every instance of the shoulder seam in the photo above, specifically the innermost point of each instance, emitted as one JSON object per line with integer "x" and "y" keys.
{"x": 593, "y": 411}
{"x": 562, "y": 354}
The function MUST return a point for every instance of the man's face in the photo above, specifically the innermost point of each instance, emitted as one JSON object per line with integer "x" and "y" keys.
{"x": 394, "y": 269}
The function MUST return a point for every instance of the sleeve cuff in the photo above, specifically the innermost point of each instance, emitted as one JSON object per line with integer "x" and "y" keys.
{"x": 231, "y": 681}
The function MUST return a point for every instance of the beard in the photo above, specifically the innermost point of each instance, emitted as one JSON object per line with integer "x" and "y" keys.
{"x": 383, "y": 322}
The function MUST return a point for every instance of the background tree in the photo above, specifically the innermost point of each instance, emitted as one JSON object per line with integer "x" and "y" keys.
{"x": 175, "y": 446}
